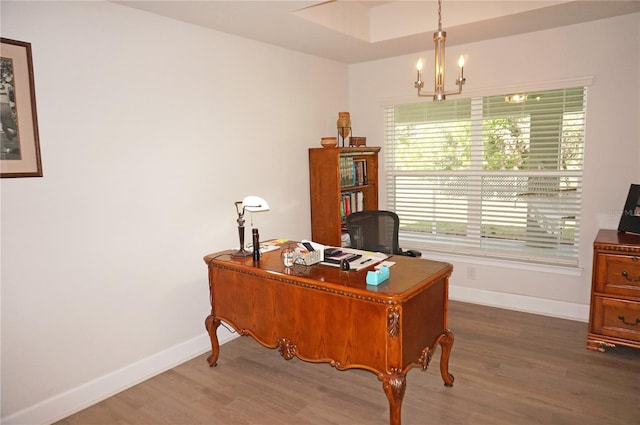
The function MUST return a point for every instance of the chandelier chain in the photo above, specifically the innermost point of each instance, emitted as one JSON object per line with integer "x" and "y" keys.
{"x": 439, "y": 15}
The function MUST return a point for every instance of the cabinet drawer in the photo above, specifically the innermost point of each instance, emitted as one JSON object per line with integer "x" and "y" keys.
{"x": 618, "y": 274}
{"x": 616, "y": 318}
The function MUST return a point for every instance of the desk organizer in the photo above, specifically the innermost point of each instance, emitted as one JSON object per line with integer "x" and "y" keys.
{"x": 308, "y": 258}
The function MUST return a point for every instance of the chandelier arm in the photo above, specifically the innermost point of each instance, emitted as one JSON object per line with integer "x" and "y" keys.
{"x": 459, "y": 83}
{"x": 421, "y": 94}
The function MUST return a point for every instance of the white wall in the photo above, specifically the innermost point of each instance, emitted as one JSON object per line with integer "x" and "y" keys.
{"x": 150, "y": 129}
{"x": 608, "y": 50}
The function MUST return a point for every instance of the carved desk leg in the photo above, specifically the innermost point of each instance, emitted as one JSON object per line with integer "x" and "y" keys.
{"x": 211, "y": 323}
{"x": 394, "y": 385}
{"x": 446, "y": 342}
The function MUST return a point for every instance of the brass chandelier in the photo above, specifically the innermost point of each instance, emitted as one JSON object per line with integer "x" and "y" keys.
{"x": 439, "y": 92}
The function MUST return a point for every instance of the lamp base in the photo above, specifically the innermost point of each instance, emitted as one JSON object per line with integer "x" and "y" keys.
{"x": 241, "y": 253}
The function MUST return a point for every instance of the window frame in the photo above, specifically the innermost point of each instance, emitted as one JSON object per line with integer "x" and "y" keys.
{"x": 449, "y": 244}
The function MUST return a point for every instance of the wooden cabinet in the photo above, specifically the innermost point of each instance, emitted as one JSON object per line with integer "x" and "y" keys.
{"x": 615, "y": 292}
{"x": 336, "y": 174}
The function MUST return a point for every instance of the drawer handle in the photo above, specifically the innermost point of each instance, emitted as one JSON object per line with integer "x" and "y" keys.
{"x": 629, "y": 278}
{"x": 621, "y": 317}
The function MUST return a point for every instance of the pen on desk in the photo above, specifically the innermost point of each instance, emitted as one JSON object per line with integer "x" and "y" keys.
{"x": 366, "y": 261}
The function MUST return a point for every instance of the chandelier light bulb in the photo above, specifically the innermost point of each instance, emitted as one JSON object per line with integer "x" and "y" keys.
{"x": 460, "y": 70}
{"x": 419, "y": 83}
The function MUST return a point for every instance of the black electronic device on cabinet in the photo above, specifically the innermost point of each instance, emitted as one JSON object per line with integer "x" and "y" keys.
{"x": 630, "y": 218}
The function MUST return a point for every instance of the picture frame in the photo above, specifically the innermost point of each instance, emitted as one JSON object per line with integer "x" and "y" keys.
{"x": 630, "y": 218}
{"x": 19, "y": 139}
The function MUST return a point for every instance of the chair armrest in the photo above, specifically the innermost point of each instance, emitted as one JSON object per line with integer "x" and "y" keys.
{"x": 412, "y": 253}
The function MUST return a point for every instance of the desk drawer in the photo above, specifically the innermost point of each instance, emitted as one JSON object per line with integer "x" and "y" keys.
{"x": 616, "y": 318}
{"x": 618, "y": 275}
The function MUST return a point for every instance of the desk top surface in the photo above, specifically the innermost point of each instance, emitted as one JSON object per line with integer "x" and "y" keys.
{"x": 406, "y": 276}
{"x": 613, "y": 237}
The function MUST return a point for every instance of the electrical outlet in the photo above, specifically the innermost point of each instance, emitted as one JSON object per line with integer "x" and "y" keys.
{"x": 471, "y": 273}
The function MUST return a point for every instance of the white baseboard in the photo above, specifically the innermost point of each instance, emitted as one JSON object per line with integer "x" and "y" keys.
{"x": 546, "y": 307}
{"x": 76, "y": 399}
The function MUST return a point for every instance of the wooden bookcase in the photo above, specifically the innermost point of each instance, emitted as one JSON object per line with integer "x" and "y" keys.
{"x": 328, "y": 175}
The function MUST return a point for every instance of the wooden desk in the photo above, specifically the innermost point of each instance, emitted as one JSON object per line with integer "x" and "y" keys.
{"x": 322, "y": 314}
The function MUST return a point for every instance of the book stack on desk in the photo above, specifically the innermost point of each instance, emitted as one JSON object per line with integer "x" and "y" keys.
{"x": 357, "y": 259}
{"x": 335, "y": 256}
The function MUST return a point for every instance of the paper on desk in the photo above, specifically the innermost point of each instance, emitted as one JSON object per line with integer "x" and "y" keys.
{"x": 385, "y": 264}
{"x": 267, "y": 246}
{"x": 368, "y": 259}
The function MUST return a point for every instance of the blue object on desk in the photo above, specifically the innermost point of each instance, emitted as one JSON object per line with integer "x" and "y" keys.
{"x": 378, "y": 276}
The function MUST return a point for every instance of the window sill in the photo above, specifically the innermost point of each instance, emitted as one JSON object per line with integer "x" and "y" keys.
{"x": 510, "y": 264}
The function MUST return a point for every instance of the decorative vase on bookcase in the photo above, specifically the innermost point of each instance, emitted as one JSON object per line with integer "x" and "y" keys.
{"x": 344, "y": 125}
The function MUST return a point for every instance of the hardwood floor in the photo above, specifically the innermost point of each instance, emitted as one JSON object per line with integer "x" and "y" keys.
{"x": 509, "y": 368}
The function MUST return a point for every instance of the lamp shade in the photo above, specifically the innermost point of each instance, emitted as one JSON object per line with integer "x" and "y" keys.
{"x": 254, "y": 204}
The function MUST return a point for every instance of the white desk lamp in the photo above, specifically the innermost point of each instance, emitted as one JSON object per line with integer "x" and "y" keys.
{"x": 251, "y": 204}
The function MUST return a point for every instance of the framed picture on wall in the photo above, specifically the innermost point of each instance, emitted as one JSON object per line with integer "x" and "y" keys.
{"x": 630, "y": 219}
{"x": 19, "y": 142}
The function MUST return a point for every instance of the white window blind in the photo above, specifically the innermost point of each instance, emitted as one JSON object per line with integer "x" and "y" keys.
{"x": 489, "y": 176}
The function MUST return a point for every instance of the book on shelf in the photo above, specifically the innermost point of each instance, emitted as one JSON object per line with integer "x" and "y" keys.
{"x": 352, "y": 201}
{"x": 346, "y": 171}
{"x": 359, "y": 201}
{"x": 347, "y": 203}
{"x": 359, "y": 172}
{"x": 353, "y": 172}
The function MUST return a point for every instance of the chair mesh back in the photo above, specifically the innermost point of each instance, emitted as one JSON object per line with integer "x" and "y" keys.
{"x": 374, "y": 231}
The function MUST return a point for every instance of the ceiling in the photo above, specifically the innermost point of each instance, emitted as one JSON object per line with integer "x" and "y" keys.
{"x": 351, "y": 31}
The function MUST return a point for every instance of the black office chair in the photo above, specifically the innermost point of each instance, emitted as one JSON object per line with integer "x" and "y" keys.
{"x": 377, "y": 231}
